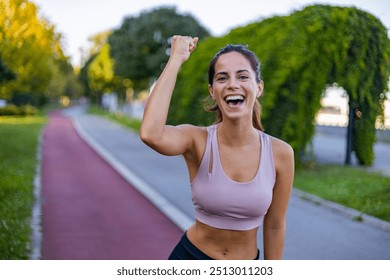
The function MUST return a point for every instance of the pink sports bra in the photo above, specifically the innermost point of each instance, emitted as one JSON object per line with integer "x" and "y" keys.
{"x": 223, "y": 203}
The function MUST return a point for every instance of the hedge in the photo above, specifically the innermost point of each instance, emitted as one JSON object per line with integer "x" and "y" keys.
{"x": 301, "y": 55}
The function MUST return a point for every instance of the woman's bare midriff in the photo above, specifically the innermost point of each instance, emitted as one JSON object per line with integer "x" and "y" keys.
{"x": 221, "y": 244}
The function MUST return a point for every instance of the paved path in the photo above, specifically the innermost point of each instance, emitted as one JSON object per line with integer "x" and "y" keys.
{"x": 314, "y": 231}
{"x": 89, "y": 210}
{"x": 329, "y": 146}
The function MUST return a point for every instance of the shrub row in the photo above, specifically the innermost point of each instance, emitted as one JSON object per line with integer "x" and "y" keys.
{"x": 12, "y": 110}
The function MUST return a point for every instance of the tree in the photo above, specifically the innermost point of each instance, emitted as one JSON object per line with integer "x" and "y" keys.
{"x": 101, "y": 73}
{"x": 5, "y": 73}
{"x": 31, "y": 49}
{"x": 84, "y": 79}
{"x": 140, "y": 47}
{"x": 64, "y": 81}
{"x": 301, "y": 54}
{"x": 97, "y": 74}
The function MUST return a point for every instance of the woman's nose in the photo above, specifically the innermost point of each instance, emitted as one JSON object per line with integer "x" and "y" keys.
{"x": 232, "y": 84}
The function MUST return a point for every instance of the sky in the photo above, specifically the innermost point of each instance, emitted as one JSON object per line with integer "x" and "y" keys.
{"x": 77, "y": 20}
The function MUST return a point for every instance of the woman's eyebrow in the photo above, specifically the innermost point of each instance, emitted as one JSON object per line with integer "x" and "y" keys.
{"x": 221, "y": 73}
{"x": 226, "y": 73}
{"x": 243, "y": 70}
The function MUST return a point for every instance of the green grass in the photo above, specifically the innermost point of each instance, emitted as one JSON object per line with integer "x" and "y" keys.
{"x": 134, "y": 124}
{"x": 18, "y": 142}
{"x": 356, "y": 188}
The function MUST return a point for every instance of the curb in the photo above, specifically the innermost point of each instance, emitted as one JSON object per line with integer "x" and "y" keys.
{"x": 36, "y": 217}
{"x": 348, "y": 212}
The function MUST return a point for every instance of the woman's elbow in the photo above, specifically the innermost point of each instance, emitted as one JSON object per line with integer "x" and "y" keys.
{"x": 151, "y": 136}
{"x": 146, "y": 136}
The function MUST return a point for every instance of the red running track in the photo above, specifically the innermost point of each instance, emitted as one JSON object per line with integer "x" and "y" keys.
{"x": 89, "y": 211}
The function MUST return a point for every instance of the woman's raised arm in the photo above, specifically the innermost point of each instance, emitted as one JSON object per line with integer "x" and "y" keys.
{"x": 165, "y": 139}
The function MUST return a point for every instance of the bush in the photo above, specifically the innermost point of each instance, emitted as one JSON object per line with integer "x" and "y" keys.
{"x": 12, "y": 110}
{"x": 28, "y": 110}
{"x": 9, "y": 110}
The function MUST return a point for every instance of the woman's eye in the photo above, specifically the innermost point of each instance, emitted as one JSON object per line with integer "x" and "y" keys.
{"x": 221, "y": 78}
{"x": 243, "y": 77}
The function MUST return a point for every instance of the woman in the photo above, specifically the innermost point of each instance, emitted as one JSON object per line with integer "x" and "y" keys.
{"x": 240, "y": 177}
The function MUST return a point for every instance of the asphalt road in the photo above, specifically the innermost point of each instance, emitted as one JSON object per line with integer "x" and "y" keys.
{"x": 329, "y": 146}
{"x": 313, "y": 230}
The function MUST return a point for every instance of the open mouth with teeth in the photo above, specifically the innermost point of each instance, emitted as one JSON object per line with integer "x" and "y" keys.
{"x": 234, "y": 100}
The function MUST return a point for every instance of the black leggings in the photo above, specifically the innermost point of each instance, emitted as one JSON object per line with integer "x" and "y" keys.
{"x": 185, "y": 250}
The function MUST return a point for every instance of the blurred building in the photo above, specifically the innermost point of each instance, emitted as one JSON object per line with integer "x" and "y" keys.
{"x": 334, "y": 109}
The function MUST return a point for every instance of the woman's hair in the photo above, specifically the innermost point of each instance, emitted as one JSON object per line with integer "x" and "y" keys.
{"x": 255, "y": 64}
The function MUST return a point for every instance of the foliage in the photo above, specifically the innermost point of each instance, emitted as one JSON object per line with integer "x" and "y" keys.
{"x": 5, "y": 73}
{"x": 31, "y": 49}
{"x": 97, "y": 42}
{"x": 64, "y": 82}
{"x": 97, "y": 74}
{"x": 100, "y": 71}
{"x": 301, "y": 55}
{"x": 140, "y": 46}
{"x": 84, "y": 79}
{"x": 19, "y": 140}
{"x": 12, "y": 110}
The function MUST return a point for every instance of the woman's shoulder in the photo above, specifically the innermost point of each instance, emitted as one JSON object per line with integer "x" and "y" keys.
{"x": 193, "y": 130}
{"x": 198, "y": 135}
{"x": 282, "y": 151}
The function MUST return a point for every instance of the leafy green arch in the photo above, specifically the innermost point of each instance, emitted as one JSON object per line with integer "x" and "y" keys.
{"x": 301, "y": 54}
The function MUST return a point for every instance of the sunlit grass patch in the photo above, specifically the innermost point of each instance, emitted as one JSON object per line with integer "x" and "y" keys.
{"x": 22, "y": 120}
{"x": 18, "y": 147}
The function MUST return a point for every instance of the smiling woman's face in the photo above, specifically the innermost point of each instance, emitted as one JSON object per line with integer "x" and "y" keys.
{"x": 234, "y": 87}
